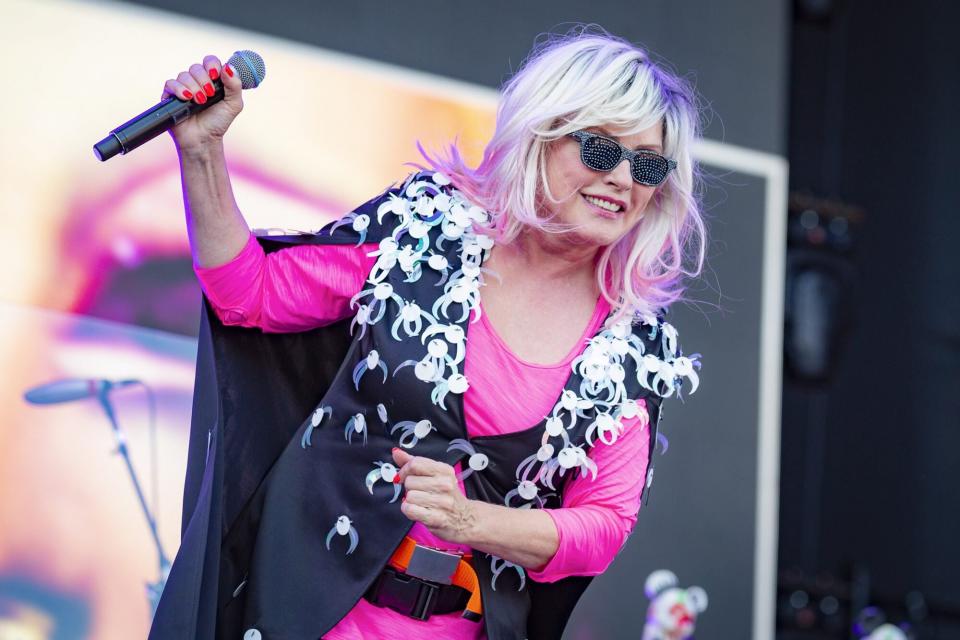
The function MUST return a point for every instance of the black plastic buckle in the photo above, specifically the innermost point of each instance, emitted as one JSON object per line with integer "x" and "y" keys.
{"x": 426, "y": 601}
{"x": 404, "y": 594}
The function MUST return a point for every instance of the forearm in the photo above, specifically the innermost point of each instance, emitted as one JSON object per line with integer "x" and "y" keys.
{"x": 525, "y": 537}
{"x": 215, "y": 226}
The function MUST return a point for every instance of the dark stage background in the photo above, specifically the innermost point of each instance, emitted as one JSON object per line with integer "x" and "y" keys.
{"x": 868, "y": 484}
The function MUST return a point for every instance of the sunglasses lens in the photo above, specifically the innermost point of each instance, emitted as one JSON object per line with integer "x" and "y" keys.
{"x": 650, "y": 169}
{"x": 600, "y": 154}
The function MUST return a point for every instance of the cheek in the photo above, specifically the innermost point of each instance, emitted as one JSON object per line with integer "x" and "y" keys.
{"x": 642, "y": 197}
{"x": 566, "y": 174}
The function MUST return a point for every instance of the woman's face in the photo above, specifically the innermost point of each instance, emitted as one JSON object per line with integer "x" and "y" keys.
{"x": 603, "y": 206}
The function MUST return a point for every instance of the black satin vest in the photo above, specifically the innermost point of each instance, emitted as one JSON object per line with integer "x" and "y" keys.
{"x": 283, "y": 531}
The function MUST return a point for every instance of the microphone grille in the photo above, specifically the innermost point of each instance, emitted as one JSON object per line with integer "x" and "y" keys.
{"x": 250, "y": 66}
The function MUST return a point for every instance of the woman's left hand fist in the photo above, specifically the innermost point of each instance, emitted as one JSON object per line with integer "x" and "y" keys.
{"x": 433, "y": 497}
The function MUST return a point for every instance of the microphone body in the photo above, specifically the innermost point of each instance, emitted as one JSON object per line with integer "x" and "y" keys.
{"x": 72, "y": 389}
{"x": 161, "y": 117}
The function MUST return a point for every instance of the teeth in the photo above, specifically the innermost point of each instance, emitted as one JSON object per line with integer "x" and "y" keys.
{"x": 603, "y": 204}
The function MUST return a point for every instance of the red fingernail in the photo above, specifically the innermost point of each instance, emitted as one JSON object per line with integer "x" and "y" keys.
{"x": 187, "y": 95}
{"x": 395, "y": 449}
{"x": 201, "y": 98}
{"x": 214, "y": 74}
{"x": 229, "y": 70}
{"x": 208, "y": 89}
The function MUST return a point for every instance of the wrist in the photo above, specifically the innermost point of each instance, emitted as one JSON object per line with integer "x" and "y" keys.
{"x": 200, "y": 150}
{"x": 474, "y": 519}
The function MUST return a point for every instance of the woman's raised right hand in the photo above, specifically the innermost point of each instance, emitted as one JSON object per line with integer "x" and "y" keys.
{"x": 196, "y": 84}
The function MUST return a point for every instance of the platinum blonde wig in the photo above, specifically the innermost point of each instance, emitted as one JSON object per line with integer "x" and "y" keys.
{"x": 583, "y": 80}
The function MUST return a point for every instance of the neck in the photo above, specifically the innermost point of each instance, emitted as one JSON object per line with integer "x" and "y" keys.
{"x": 547, "y": 257}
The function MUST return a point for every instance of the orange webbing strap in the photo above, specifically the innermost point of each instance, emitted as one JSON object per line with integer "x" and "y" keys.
{"x": 401, "y": 557}
{"x": 464, "y": 577}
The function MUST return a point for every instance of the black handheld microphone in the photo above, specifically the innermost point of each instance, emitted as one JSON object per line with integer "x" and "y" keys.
{"x": 164, "y": 115}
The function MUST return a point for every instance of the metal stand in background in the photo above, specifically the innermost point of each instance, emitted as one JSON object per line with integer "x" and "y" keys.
{"x": 71, "y": 389}
{"x": 154, "y": 589}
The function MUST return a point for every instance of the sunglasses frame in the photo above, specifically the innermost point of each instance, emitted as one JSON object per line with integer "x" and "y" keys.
{"x": 583, "y": 137}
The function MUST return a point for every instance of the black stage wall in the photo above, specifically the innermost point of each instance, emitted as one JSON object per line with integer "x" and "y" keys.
{"x": 873, "y": 122}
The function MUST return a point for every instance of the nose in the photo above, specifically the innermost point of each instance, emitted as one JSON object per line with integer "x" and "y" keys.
{"x": 620, "y": 176}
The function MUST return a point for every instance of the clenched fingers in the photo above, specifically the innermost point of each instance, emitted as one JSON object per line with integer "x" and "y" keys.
{"x": 196, "y": 83}
{"x": 431, "y": 484}
{"x": 419, "y": 466}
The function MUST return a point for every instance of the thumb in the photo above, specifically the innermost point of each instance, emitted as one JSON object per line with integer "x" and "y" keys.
{"x": 401, "y": 457}
{"x": 232, "y": 85}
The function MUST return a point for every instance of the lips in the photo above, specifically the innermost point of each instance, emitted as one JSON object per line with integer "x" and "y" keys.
{"x": 606, "y": 207}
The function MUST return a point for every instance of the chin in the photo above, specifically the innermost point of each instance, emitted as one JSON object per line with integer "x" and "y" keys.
{"x": 598, "y": 229}
{"x": 602, "y": 231}
{"x": 589, "y": 234}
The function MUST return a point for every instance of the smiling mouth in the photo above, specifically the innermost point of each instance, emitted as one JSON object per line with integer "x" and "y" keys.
{"x": 600, "y": 203}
